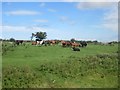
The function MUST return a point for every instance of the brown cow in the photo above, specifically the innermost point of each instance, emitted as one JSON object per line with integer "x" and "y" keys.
{"x": 34, "y": 43}
{"x": 52, "y": 42}
{"x": 66, "y": 43}
{"x": 63, "y": 43}
{"x": 75, "y": 44}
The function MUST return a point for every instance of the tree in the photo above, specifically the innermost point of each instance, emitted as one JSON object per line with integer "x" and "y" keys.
{"x": 95, "y": 42}
{"x": 39, "y": 35}
{"x": 72, "y": 40}
{"x": 12, "y": 40}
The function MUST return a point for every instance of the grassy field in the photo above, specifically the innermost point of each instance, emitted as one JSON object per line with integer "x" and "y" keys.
{"x": 54, "y": 66}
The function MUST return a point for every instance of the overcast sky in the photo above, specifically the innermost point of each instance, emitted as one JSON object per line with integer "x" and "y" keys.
{"x": 61, "y": 20}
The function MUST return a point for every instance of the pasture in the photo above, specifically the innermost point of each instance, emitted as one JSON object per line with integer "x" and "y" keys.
{"x": 59, "y": 67}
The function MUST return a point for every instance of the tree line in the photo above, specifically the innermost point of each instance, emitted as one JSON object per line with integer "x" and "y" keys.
{"x": 43, "y": 35}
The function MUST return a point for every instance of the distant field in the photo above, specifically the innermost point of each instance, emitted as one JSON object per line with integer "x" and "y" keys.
{"x": 55, "y": 66}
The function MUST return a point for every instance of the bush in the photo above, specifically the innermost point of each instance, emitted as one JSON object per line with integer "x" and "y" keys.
{"x": 53, "y": 74}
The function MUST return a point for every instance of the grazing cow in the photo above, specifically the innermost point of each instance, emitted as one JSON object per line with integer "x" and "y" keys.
{"x": 18, "y": 42}
{"x": 49, "y": 42}
{"x": 63, "y": 43}
{"x": 57, "y": 41}
{"x": 83, "y": 44}
{"x": 39, "y": 43}
{"x": 21, "y": 42}
{"x": 75, "y": 44}
{"x": 66, "y": 43}
{"x": 52, "y": 42}
{"x": 110, "y": 43}
{"x": 75, "y": 49}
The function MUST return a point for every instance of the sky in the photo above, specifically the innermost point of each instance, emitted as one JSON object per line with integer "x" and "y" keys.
{"x": 60, "y": 20}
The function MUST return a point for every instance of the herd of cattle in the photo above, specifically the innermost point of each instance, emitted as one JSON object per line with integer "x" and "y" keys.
{"x": 63, "y": 43}
{"x": 73, "y": 45}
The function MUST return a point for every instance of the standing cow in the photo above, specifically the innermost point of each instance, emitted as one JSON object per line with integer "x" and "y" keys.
{"x": 39, "y": 43}
{"x": 83, "y": 43}
{"x": 75, "y": 44}
{"x": 18, "y": 42}
{"x": 66, "y": 43}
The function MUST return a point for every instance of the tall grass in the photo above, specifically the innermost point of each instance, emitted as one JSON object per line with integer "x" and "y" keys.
{"x": 91, "y": 71}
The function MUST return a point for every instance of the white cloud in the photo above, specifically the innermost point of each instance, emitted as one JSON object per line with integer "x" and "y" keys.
{"x": 112, "y": 15}
{"x": 52, "y": 10}
{"x": 9, "y": 28}
{"x": 22, "y": 12}
{"x": 24, "y": 32}
{"x": 94, "y": 5}
{"x": 41, "y": 20}
{"x": 42, "y": 4}
{"x": 111, "y": 19}
{"x": 110, "y": 26}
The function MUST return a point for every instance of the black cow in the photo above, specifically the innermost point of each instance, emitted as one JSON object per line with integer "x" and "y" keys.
{"x": 21, "y": 41}
{"x": 83, "y": 43}
{"x": 110, "y": 43}
{"x": 18, "y": 42}
{"x": 75, "y": 49}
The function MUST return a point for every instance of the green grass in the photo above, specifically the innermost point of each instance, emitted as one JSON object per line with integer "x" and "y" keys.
{"x": 55, "y": 66}
{"x": 32, "y": 54}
